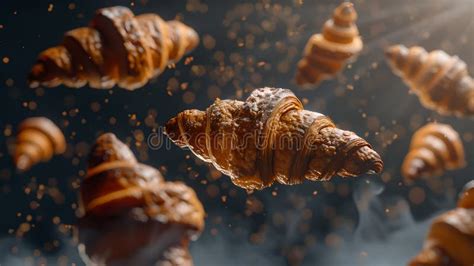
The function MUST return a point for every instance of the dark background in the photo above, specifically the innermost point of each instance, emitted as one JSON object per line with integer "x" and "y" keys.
{"x": 246, "y": 45}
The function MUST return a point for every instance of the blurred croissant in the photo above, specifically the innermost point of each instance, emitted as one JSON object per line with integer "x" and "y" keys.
{"x": 37, "y": 140}
{"x": 131, "y": 216}
{"x": 441, "y": 81}
{"x": 116, "y": 48}
{"x": 271, "y": 138}
{"x": 326, "y": 54}
{"x": 450, "y": 241}
{"x": 466, "y": 199}
{"x": 434, "y": 148}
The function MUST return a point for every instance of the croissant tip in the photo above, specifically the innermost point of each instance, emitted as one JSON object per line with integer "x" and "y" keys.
{"x": 364, "y": 161}
{"x": 172, "y": 130}
{"x": 109, "y": 136}
{"x": 23, "y": 163}
{"x": 37, "y": 72}
{"x": 347, "y": 11}
{"x": 347, "y": 7}
{"x": 391, "y": 51}
{"x": 377, "y": 167}
{"x": 466, "y": 197}
{"x": 194, "y": 38}
{"x": 106, "y": 139}
{"x": 411, "y": 171}
{"x": 375, "y": 164}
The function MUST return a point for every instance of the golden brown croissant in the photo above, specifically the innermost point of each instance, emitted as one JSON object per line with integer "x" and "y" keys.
{"x": 117, "y": 48}
{"x": 270, "y": 137}
{"x": 131, "y": 215}
{"x": 450, "y": 241}
{"x": 37, "y": 140}
{"x": 434, "y": 148}
{"x": 326, "y": 54}
{"x": 441, "y": 81}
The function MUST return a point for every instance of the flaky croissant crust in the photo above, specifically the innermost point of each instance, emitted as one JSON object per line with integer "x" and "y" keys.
{"x": 270, "y": 137}
{"x": 117, "y": 48}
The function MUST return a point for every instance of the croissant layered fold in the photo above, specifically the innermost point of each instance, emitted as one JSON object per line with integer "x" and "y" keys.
{"x": 450, "y": 240}
{"x": 328, "y": 52}
{"x": 117, "y": 48}
{"x": 271, "y": 138}
{"x": 441, "y": 81}
{"x": 131, "y": 215}
{"x": 434, "y": 149}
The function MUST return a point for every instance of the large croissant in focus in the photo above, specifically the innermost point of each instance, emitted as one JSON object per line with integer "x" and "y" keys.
{"x": 434, "y": 149}
{"x": 441, "y": 81}
{"x": 117, "y": 48}
{"x": 38, "y": 140}
{"x": 131, "y": 216}
{"x": 450, "y": 241}
{"x": 326, "y": 54}
{"x": 270, "y": 137}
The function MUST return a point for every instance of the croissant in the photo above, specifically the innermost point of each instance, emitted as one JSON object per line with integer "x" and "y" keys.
{"x": 434, "y": 148}
{"x": 326, "y": 54}
{"x": 466, "y": 200}
{"x": 38, "y": 139}
{"x": 131, "y": 216}
{"x": 450, "y": 241}
{"x": 441, "y": 81}
{"x": 116, "y": 48}
{"x": 269, "y": 138}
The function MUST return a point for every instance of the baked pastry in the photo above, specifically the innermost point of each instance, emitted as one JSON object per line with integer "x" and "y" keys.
{"x": 131, "y": 216}
{"x": 270, "y": 138}
{"x": 118, "y": 48}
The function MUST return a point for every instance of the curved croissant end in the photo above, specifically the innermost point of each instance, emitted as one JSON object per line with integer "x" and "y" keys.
{"x": 129, "y": 207}
{"x": 37, "y": 140}
{"x": 466, "y": 199}
{"x": 450, "y": 239}
{"x": 270, "y": 137}
{"x": 326, "y": 54}
{"x": 434, "y": 149}
{"x": 117, "y": 48}
{"x": 441, "y": 81}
